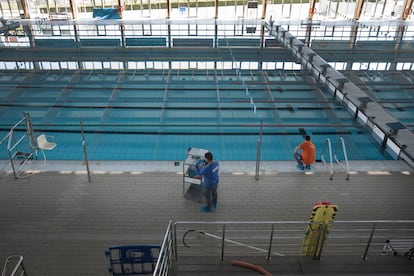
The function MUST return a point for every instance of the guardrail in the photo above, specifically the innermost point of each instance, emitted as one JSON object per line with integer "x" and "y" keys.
{"x": 277, "y": 238}
{"x": 14, "y": 266}
{"x": 284, "y": 238}
{"x": 165, "y": 257}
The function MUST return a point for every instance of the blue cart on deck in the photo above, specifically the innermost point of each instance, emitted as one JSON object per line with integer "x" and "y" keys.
{"x": 132, "y": 259}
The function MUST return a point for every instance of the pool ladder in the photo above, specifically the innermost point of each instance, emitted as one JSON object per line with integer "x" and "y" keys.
{"x": 328, "y": 146}
{"x": 20, "y": 160}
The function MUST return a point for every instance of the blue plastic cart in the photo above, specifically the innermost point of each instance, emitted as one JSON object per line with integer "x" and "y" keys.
{"x": 132, "y": 259}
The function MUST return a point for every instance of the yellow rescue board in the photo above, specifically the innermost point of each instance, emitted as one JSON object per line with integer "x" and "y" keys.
{"x": 320, "y": 223}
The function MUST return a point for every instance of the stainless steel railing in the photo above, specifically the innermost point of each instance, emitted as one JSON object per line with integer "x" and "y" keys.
{"x": 165, "y": 257}
{"x": 327, "y": 149}
{"x": 284, "y": 238}
{"x": 230, "y": 237}
{"x": 14, "y": 266}
{"x": 276, "y": 238}
{"x": 26, "y": 141}
{"x": 341, "y": 144}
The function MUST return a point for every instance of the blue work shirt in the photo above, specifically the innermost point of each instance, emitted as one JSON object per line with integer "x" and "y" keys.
{"x": 210, "y": 173}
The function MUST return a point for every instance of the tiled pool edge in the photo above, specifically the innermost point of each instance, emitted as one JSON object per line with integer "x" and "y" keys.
{"x": 247, "y": 167}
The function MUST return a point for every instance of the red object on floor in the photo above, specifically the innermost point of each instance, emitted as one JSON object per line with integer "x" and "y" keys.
{"x": 251, "y": 266}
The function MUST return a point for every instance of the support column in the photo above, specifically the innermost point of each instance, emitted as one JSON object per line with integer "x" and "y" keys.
{"x": 358, "y": 9}
{"x": 216, "y": 4}
{"x": 168, "y": 9}
{"x": 262, "y": 29}
{"x": 407, "y": 9}
{"x": 312, "y": 9}
{"x": 73, "y": 9}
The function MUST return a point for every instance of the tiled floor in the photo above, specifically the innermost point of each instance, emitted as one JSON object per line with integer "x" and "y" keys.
{"x": 62, "y": 223}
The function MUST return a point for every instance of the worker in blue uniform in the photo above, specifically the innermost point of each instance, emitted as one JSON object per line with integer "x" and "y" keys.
{"x": 210, "y": 175}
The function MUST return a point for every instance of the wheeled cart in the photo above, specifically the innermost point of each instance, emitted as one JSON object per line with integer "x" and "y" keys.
{"x": 192, "y": 182}
{"x": 132, "y": 259}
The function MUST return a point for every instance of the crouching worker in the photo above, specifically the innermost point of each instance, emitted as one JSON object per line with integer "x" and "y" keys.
{"x": 305, "y": 154}
{"x": 210, "y": 175}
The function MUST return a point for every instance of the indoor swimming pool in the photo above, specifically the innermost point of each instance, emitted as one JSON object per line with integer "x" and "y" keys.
{"x": 159, "y": 114}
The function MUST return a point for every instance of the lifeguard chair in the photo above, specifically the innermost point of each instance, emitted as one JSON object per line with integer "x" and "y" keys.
{"x": 44, "y": 144}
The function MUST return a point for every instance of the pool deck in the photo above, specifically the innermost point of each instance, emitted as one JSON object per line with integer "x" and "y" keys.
{"x": 62, "y": 223}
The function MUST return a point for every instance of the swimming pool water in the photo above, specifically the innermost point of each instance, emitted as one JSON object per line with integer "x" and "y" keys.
{"x": 130, "y": 146}
{"x": 155, "y": 119}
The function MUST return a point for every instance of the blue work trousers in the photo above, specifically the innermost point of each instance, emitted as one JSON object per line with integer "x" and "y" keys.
{"x": 210, "y": 195}
{"x": 298, "y": 158}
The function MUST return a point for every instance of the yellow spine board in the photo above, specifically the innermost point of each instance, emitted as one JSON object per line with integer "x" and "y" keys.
{"x": 322, "y": 217}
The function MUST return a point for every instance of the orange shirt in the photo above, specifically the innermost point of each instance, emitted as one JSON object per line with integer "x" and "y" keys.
{"x": 308, "y": 152}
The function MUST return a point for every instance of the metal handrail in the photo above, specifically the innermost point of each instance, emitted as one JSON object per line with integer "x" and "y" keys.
{"x": 18, "y": 265}
{"x": 258, "y": 149}
{"x": 342, "y": 142}
{"x": 224, "y": 229}
{"x": 12, "y": 143}
{"x": 328, "y": 146}
{"x": 11, "y": 147}
{"x": 10, "y": 132}
{"x": 165, "y": 256}
{"x": 360, "y": 235}
{"x": 364, "y": 234}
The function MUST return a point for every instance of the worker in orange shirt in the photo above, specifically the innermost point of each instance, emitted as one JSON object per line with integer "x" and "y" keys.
{"x": 307, "y": 156}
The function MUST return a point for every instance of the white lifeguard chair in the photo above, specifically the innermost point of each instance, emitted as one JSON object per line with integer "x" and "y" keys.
{"x": 44, "y": 144}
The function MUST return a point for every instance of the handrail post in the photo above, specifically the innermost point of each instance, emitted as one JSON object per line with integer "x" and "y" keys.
{"x": 222, "y": 242}
{"x": 84, "y": 152}
{"x": 330, "y": 158}
{"x": 346, "y": 167}
{"x": 345, "y": 157}
{"x": 369, "y": 242}
{"x": 259, "y": 146}
{"x": 166, "y": 252}
{"x": 12, "y": 165}
{"x": 270, "y": 242}
{"x": 328, "y": 143}
{"x": 24, "y": 270}
{"x": 175, "y": 242}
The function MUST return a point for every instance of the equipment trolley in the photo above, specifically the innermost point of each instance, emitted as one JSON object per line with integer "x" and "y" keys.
{"x": 192, "y": 182}
{"x": 132, "y": 259}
